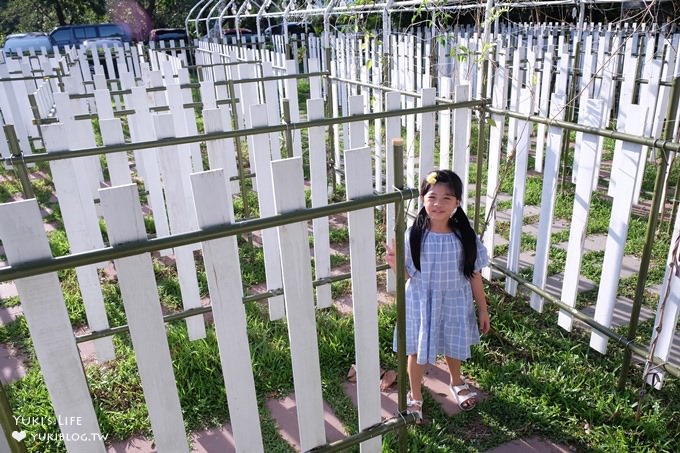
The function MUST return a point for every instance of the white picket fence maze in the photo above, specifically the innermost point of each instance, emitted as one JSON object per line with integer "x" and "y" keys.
{"x": 188, "y": 187}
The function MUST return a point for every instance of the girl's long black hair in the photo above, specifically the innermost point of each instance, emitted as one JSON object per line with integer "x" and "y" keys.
{"x": 459, "y": 223}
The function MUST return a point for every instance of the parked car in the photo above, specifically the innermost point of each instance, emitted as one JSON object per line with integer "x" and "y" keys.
{"x": 24, "y": 42}
{"x": 75, "y": 35}
{"x": 294, "y": 28}
{"x": 168, "y": 34}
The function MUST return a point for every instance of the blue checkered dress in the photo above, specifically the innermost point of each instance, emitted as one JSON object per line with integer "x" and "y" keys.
{"x": 440, "y": 314}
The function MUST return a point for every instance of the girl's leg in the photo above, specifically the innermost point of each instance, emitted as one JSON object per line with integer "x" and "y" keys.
{"x": 457, "y": 380}
{"x": 415, "y": 377}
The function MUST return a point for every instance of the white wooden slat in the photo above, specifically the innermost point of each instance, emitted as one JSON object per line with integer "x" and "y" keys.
{"x": 356, "y": 128}
{"x": 288, "y": 183}
{"x": 292, "y": 96}
{"x": 461, "y": 139}
{"x": 392, "y": 131}
{"x": 122, "y": 212}
{"x": 189, "y": 117}
{"x": 43, "y": 305}
{"x": 520, "y": 176}
{"x": 214, "y": 207}
{"x": 426, "y": 127}
{"x": 82, "y": 230}
{"x": 625, "y": 102}
{"x": 629, "y": 155}
{"x": 548, "y": 194}
{"x": 364, "y": 293}
{"x": 378, "y": 146}
{"x": 221, "y": 152}
{"x": 175, "y": 167}
{"x": 495, "y": 143}
{"x": 258, "y": 147}
{"x": 80, "y": 135}
{"x": 319, "y": 186}
{"x": 445, "y": 119}
{"x": 591, "y": 114}
{"x": 314, "y": 82}
{"x": 666, "y": 320}
{"x": 118, "y": 165}
{"x": 272, "y": 99}
{"x": 141, "y": 130}
{"x": 207, "y": 90}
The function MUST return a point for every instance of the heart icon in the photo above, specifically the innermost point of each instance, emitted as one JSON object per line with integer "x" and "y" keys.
{"x": 19, "y": 435}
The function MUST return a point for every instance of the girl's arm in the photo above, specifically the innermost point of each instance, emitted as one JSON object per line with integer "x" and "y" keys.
{"x": 392, "y": 260}
{"x": 478, "y": 294}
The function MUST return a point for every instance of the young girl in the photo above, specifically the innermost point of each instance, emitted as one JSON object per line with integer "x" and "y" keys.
{"x": 443, "y": 259}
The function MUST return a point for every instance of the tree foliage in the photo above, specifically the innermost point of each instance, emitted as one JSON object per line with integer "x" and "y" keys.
{"x": 43, "y": 15}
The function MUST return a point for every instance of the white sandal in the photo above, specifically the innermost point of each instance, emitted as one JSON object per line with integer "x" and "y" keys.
{"x": 462, "y": 399}
{"x": 414, "y": 407}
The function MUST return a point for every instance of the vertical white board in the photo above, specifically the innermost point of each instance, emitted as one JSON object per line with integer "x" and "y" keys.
{"x": 629, "y": 156}
{"x": 364, "y": 293}
{"x": 521, "y": 162}
{"x": 548, "y": 194}
{"x": 392, "y": 131}
{"x": 288, "y": 183}
{"x": 123, "y": 215}
{"x": 259, "y": 150}
{"x": 42, "y": 302}
{"x": 175, "y": 167}
{"x": 461, "y": 139}
{"x": 82, "y": 230}
{"x": 590, "y": 115}
{"x": 426, "y": 126}
{"x": 319, "y": 186}
{"x": 214, "y": 207}
{"x": 221, "y": 152}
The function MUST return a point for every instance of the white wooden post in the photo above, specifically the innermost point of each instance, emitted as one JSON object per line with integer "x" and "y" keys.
{"x": 461, "y": 140}
{"x": 521, "y": 151}
{"x": 175, "y": 166}
{"x": 666, "y": 321}
{"x": 427, "y": 125}
{"x": 364, "y": 293}
{"x": 292, "y": 96}
{"x": 288, "y": 184}
{"x": 498, "y": 99}
{"x": 42, "y": 302}
{"x": 259, "y": 149}
{"x": 272, "y": 99}
{"x": 445, "y": 117}
{"x": 629, "y": 155}
{"x": 82, "y": 230}
{"x": 214, "y": 207}
{"x": 123, "y": 215}
{"x": 319, "y": 186}
{"x": 392, "y": 131}
{"x": 590, "y": 115}
{"x": 221, "y": 153}
{"x": 548, "y": 194}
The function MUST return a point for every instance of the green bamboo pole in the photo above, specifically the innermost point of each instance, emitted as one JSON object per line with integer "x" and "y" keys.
{"x": 199, "y": 138}
{"x": 7, "y": 423}
{"x": 239, "y": 151}
{"x": 18, "y": 161}
{"x": 669, "y": 128}
{"x": 55, "y": 264}
{"x": 400, "y": 227}
{"x": 288, "y": 132}
{"x": 399, "y": 422}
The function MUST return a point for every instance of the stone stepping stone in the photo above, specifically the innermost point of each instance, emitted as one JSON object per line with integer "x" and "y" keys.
{"x": 211, "y": 440}
{"x": 526, "y": 261}
{"x": 630, "y": 265}
{"x": 558, "y": 226}
{"x": 7, "y": 290}
{"x": 11, "y": 365}
{"x": 593, "y": 243}
{"x": 505, "y": 214}
{"x": 134, "y": 445}
{"x": 9, "y": 314}
{"x": 622, "y": 311}
{"x": 553, "y": 284}
{"x": 436, "y": 383}
{"x": 530, "y": 445}
{"x": 284, "y": 413}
